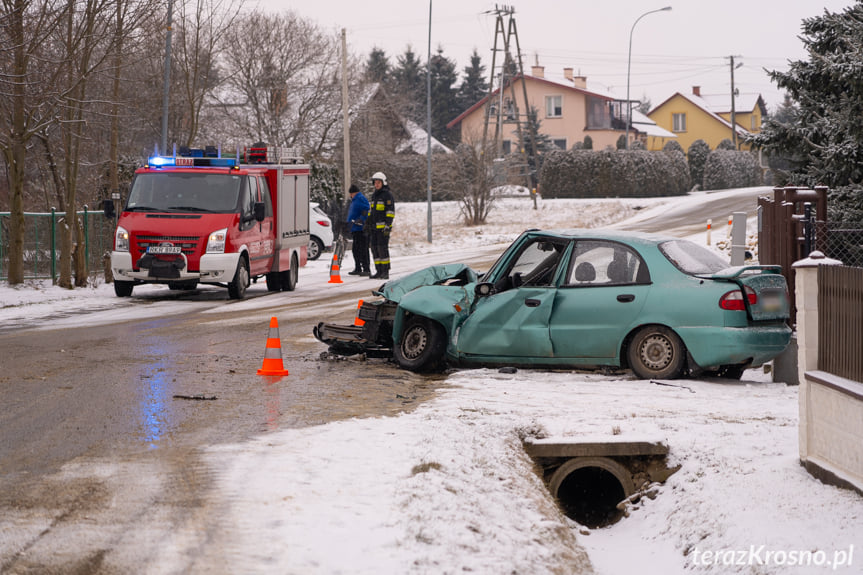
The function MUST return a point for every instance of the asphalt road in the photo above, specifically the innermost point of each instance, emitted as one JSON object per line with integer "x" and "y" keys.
{"x": 102, "y": 426}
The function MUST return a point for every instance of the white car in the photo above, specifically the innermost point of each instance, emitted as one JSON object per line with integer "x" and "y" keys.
{"x": 321, "y": 229}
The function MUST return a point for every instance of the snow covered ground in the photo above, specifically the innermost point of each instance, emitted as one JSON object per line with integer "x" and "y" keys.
{"x": 448, "y": 488}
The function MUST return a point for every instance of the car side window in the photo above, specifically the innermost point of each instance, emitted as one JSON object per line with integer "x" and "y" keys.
{"x": 537, "y": 264}
{"x": 605, "y": 263}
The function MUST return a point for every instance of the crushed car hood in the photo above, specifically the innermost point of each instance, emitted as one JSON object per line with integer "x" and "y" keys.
{"x": 458, "y": 274}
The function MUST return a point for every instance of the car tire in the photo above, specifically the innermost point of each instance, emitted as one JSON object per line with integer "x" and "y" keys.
{"x": 274, "y": 281}
{"x": 316, "y": 248}
{"x": 123, "y": 289}
{"x": 656, "y": 352}
{"x": 237, "y": 286}
{"x": 422, "y": 345}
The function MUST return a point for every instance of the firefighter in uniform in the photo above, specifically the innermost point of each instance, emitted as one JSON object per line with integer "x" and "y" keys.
{"x": 381, "y": 216}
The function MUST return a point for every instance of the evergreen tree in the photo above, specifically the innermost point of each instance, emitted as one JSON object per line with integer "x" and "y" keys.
{"x": 543, "y": 142}
{"x": 443, "y": 95}
{"x": 377, "y": 67}
{"x": 409, "y": 85}
{"x": 474, "y": 86}
{"x": 826, "y": 132}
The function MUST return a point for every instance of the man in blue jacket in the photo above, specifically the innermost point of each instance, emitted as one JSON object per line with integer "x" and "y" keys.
{"x": 357, "y": 214}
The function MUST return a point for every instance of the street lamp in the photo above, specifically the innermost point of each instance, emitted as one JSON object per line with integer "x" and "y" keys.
{"x": 629, "y": 66}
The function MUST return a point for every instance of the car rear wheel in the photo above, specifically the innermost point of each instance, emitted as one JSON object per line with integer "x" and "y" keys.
{"x": 422, "y": 345}
{"x": 292, "y": 276}
{"x": 656, "y": 352}
{"x": 316, "y": 248}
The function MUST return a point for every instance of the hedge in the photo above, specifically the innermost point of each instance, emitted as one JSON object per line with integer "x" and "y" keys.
{"x": 613, "y": 173}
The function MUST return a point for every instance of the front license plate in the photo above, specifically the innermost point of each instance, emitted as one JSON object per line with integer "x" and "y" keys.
{"x": 164, "y": 250}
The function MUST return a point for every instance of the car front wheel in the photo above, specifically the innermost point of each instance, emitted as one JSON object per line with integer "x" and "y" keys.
{"x": 422, "y": 345}
{"x": 656, "y": 352}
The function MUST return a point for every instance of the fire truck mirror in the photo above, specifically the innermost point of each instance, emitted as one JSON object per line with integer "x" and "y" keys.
{"x": 108, "y": 208}
{"x": 259, "y": 211}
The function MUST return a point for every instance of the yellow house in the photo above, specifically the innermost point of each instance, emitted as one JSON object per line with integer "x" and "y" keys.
{"x": 568, "y": 112}
{"x": 695, "y": 116}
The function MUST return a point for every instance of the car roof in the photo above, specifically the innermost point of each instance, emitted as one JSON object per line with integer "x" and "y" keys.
{"x": 605, "y": 234}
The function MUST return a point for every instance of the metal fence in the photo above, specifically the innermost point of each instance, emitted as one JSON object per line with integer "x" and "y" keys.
{"x": 838, "y": 241}
{"x": 840, "y": 321}
{"x": 42, "y": 242}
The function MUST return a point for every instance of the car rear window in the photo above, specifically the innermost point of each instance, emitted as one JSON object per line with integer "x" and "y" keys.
{"x": 692, "y": 259}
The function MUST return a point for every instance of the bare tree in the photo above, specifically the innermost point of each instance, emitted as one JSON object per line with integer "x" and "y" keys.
{"x": 27, "y": 101}
{"x": 282, "y": 80}
{"x": 203, "y": 25}
{"x": 471, "y": 180}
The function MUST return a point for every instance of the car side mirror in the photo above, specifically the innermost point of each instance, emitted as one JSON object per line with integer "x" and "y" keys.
{"x": 483, "y": 289}
{"x": 259, "y": 211}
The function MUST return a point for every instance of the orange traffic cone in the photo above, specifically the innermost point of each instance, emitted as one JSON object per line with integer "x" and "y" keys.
{"x": 357, "y": 320}
{"x": 335, "y": 276}
{"x": 273, "y": 353}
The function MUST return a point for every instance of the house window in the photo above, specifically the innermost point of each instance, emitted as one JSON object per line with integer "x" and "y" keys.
{"x": 753, "y": 123}
{"x": 507, "y": 147}
{"x": 678, "y": 122}
{"x": 598, "y": 114}
{"x": 553, "y": 106}
{"x": 560, "y": 143}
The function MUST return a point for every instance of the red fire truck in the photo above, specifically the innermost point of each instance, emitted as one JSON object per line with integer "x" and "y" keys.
{"x": 198, "y": 217}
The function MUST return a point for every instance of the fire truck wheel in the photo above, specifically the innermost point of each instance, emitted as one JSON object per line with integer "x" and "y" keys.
{"x": 274, "y": 281}
{"x": 123, "y": 289}
{"x": 291, "y": 276}
{"x": 237, "y": 287}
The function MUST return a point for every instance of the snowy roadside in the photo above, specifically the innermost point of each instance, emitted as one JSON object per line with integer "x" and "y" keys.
{"x": 448, "y": 487}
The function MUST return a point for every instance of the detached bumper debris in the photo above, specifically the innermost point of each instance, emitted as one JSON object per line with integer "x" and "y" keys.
{"x": 198, "y": 397}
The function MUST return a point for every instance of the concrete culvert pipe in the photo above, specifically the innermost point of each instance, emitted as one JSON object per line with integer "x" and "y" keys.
{"x": 589, "y": 489}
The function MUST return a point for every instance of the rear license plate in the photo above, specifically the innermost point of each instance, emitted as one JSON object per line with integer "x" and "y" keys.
{"x": 164, "y": 250}
{"x": 771, "y": 301}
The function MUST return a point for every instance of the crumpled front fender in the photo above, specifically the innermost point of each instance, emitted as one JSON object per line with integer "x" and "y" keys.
{"x": 447, "y": 305}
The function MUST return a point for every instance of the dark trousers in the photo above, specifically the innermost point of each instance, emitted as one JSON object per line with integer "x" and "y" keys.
{"x": 360, "y": 249}
{"x": 381, "y": 250}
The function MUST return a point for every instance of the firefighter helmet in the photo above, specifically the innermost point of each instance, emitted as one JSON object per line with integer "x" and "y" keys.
{"x": 379, "y": 176}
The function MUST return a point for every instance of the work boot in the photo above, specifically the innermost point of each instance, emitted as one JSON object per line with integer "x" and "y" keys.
{"x": 355, "y": 273}
{"x": 365, "y": 273}
{"x": 377, "y": 273}
{"x": 385, "y": 272}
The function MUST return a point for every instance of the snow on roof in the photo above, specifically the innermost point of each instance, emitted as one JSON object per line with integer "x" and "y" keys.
{"x": 417, "y": 141}
{"x": 645, "y": 125}
{"x": 705, "y": 106}
{"x": 721, "y": 103}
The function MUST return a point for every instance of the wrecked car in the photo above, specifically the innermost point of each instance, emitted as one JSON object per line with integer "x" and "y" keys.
{"x": 662, "y": 306}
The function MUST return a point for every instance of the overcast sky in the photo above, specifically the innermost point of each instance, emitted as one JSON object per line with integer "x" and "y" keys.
{"x": 671, "y": 51}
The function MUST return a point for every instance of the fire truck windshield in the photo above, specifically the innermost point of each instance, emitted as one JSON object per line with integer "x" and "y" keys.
{"x": 184, "y": 192}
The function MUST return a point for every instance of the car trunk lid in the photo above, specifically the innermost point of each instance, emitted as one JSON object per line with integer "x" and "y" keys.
{"x": 769, "y": 286}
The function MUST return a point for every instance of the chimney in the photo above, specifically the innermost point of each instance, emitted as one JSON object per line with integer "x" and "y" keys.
{"x": 580, "y": 82}
{"x": 537, "y": 71}
{"x": 696, "y": 91}
{"x": 567, "y": 73}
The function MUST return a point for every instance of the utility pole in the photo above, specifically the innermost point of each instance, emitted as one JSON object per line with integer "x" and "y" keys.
{"x": 507, "y": 34}
{"x": 346, "y": 120}
{"x": 733, "y": 98}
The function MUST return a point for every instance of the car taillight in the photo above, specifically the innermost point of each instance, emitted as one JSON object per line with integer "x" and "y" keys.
{"x": 733, "y": 300}
{"x": 324, "y": 223}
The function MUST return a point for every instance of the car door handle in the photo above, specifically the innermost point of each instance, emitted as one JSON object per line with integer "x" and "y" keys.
{"x": 625, "y": 297}
{"x": 530, "y": 302}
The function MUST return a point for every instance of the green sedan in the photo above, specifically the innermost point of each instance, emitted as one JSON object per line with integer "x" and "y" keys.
{"x": 661, "y": 306}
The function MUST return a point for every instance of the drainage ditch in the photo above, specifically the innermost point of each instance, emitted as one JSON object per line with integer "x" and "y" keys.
{"x": 594, "y": 482}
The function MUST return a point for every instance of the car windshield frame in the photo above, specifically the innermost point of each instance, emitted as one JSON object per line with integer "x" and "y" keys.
{"x": 691, "y": 258}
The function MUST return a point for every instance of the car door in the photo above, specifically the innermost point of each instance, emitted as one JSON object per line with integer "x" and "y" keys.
{"x": 514, "y": 321}
{"x": 600, "y": 300}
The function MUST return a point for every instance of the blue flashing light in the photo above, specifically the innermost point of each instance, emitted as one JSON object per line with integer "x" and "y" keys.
{"x": 186, "y": 161}
{"x": 160, "y": 161}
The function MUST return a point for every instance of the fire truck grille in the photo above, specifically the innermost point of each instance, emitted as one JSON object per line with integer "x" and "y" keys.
{"x": 186, "y": 243}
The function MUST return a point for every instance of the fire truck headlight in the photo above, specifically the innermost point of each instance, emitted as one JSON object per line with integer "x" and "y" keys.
{"x": 216, "y": 242}
{"x": 121, "y": 240}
